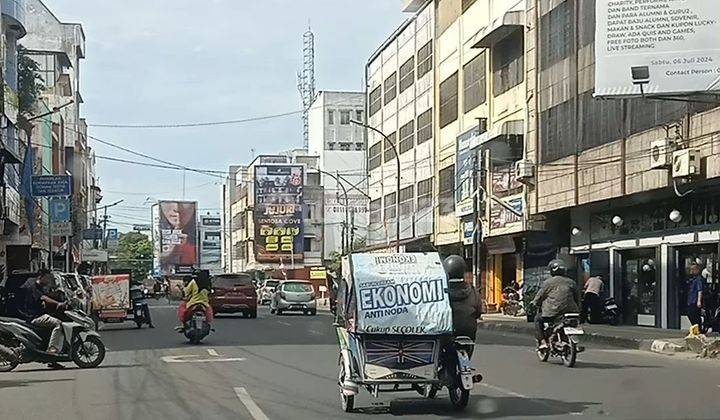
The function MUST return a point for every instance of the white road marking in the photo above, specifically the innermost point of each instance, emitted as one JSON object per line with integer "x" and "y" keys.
{"x": 194, "y": 358}
{"x": 284, "y": 323}
{"x": 248, "y": 402}
{"x": 212, "y": 352}
{"x": 315, "y": 332}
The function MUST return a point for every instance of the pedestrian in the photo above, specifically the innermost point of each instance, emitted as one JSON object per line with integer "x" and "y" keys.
{"x": 591, "y": 301}
{"x": 695, "y": 288}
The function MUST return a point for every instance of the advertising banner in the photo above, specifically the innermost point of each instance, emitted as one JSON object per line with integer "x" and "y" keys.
{"x": 210, "y": 239}
{"x": 177, "y": 225}
{"x": 278, "y": 214}
{"x": 464, "y": 183}
{"x": 404, "y": 294}
{"x": 155, "y": 232}
{"x": 111, "y": 292}
{"x": 671, "y": 45}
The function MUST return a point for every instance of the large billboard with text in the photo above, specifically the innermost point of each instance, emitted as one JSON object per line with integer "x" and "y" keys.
{"x": 663, "y": 46}
{"x": 278, "y": 213}
{"x": 210, "y": 239}
{"x": 175, "y": 236}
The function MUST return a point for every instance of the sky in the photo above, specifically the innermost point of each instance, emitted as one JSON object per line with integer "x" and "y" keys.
{"x": 183, "y": 61}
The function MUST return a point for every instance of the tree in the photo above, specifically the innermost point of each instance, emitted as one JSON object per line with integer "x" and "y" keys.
{"x": 135, "y": 252}
{"x": 29, "y": 82}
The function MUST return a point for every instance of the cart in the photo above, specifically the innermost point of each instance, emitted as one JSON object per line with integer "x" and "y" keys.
{"x": 394, "y": 329}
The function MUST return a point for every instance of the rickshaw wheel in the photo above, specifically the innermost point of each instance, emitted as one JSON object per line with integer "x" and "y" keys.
{"x": 347, "y": 401}
{"x": 459, "y": 397}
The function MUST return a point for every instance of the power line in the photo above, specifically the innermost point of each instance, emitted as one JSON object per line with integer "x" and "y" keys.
{"x": 199, "y": 124}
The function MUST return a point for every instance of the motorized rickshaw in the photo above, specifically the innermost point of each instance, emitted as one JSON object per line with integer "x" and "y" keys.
{"x": 394, "y": 327}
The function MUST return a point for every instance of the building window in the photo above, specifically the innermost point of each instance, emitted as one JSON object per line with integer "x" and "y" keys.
{"x": 46, "y": 68}
{"x": 424, "y": 126}
{"x": 424, "y": 59}
{"x": 307, "y": 244}
{"x": 375, "y": 156}
{"x": 508, "y": 63}
{"x": 586, "y": 14}
{"x": 449, "y": 100}
{"x": 555, "y": 35}
{"x": 389, "y": 152}
{"x": 375, "y": 100}
{"x": 424, "y": 194}
{"x": 600, "y": 121}
{"x": 390, "y": 87}
{"x": 390, "y": 206}
{"x": 407, "y": 196}
{"x": 557, "y": 130}
{"x": 407, "y": 137}
{"x": 407, "y": 74}
{"x": 446, "y": 190}
{"x": 474, "y": 83}
{"x": 344, "y": 117}
{"x": 331, "y": 117}
{"x": 375, "y": 211}
{"x": 359, "y": 115}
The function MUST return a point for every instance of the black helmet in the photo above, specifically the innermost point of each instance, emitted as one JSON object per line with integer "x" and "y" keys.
{"x": 454, "y": 266}
{"x": 557, "y": 267}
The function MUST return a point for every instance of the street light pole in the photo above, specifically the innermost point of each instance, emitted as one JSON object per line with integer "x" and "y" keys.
{"x": 345, "y": 199}
{"x": 397, "y": 178}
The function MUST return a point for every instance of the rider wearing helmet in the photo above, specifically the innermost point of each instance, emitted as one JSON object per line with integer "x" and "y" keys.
{"x": 557, "y": 297}
{"x": 464, "y": 299}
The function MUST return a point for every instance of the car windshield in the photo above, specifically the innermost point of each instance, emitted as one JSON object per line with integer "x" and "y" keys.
{"x": 230, "y": 281}
{"x": 271, "y": 283}
{"x": 297, "y": 287}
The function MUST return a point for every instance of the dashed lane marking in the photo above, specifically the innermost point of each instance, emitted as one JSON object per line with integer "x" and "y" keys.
{"x": 248, "y": 402}
{"x": 212, "y": 352}
{"x": 194, "y": 358}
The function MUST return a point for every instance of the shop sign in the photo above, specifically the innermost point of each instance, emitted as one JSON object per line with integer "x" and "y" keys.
{"x": 51, "y": 185}
{"x": 94, "y": 255}
{"x": 318, "y": 273}
{"x": 61, "y": 228}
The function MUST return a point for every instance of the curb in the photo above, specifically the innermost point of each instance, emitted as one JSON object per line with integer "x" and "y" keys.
{"x": 529, "y": 329}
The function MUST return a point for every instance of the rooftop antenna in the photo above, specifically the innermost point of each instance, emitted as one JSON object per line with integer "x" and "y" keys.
{"x": 306, "y": 82}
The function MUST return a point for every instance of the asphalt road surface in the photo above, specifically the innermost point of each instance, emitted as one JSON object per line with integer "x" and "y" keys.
{"x": 284, "y": 367}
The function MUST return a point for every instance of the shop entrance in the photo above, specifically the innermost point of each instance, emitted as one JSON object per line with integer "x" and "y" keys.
{"x": 640, "y": 295}
{"x": 707, "y": 256}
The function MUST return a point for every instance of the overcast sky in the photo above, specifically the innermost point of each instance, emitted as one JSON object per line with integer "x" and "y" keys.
{"x": 180, "y": 61}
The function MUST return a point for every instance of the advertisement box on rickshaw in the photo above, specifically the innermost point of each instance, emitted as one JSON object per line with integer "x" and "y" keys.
{"x": 111, "y": 296}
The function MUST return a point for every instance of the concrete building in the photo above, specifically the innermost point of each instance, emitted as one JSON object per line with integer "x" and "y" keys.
{"x": 341, "y": 149}
{"x": 231, "y": 196}
{"x": 401, "y": 103}
{"x": 244, "y": 214}
{"x": 603, "y": 193}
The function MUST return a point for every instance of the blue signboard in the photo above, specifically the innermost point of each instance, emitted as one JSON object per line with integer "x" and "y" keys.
{"x": 51, "y": 185}
{"x": 113, "y": 235}
{"x": 92, "y": 234}
{"x": 60, "y": 210}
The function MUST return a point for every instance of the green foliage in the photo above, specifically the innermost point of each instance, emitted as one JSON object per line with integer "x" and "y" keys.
{"x": 135, "y": 252}
{"x": 29, "y": 82}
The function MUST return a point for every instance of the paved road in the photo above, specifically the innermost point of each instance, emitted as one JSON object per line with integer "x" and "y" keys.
{"x": 284, "y": 368}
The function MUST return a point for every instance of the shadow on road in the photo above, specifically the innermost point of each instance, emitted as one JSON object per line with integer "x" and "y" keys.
{"x": 70, "y": 367}
{"x": 27, "y": 382}
{"x": 594, "y": 365}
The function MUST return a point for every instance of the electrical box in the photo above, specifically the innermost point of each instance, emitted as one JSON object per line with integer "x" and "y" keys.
{"x": 686, "y": 163}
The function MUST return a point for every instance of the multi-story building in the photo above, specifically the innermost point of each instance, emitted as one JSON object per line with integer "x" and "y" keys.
{"x": 340, "y": 146}
{"x": 400, "y": 104}
{"x": 231, "y": 196}
{"x": 602, "y": 180}
{"x": 59, "y": 48}
{"x": 294, "y": 251}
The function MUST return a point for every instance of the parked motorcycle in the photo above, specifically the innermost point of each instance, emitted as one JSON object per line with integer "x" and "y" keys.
{"x": 21, "y": 343}
{"x": 197, "y": 325}
{"x": 611, "y": 312}
{"x": 563, "y": 340}
{"x": 510, "y": 302}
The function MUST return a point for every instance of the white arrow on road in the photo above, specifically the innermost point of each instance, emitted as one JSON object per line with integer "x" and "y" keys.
{"x": 195, "y": 358}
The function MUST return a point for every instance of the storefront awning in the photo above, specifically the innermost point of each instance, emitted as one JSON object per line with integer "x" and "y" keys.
{"x": 501, "y": 27}
{"x": 500, "y": 245}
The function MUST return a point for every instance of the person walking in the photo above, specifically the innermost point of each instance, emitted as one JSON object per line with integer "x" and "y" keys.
{"x": 695, "y": 288}
{"x": 591, "y": 302}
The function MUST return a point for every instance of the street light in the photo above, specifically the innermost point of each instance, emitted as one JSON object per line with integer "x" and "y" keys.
{"x": 397, "y": 185}
{"x": 345, "y": 199}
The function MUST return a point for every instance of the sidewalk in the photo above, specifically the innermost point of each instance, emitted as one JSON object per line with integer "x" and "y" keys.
{"x": 640, "y": 338}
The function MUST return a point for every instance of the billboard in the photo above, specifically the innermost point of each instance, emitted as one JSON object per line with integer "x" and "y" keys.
{"x": 671, "y": 46}
{"x": 175, "y": 234}
{"x": 278, "y": 213}
{"x": 210, "y": 239}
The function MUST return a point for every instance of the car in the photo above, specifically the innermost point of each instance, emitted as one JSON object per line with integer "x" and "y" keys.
{"x": 266, "y": 291}
{"x": 233, "y": 293}
{"x": 294, "y": 295}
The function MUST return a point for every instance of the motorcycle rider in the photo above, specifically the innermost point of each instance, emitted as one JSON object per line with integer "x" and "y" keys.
{"x": 557, "y": 297}
{"x": 36, "y": 296}
{"x": 196, "y": 292}
{"x": 464, "y": 299}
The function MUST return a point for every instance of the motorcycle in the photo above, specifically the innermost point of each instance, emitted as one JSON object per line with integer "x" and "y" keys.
{"x": 611, "y": 311}
{"x": 196, "y": 325}
{"x": 563, "y": 340}
{"x": 138, "y": 298}
{"x": 510, "y": 302}
{"x": 22, "y": 342}
{"x": 456, "y": 373}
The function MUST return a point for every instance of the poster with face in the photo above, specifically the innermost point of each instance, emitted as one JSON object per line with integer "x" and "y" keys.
{"x": 178, "y": 235}
{"x": 278, "y": 214}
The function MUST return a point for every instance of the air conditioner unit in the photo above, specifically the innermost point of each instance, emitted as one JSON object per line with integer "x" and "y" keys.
{"x": 686, "y": 163}
{"x": 661, "y": 153}
{"x": 524, "y": 170}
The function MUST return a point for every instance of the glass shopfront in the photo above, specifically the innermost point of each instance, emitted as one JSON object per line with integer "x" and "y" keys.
{"x": 639, "y": 287}
{"x": 706, "y": 255}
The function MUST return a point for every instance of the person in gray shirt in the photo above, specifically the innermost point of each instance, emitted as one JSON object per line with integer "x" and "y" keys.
{"x": 557, "y": 297}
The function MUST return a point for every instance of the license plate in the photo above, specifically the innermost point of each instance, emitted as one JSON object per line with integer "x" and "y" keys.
{"x": 573, "y": 331}
{"x": 611, "y": 307}
{"x": 198, "y": 323}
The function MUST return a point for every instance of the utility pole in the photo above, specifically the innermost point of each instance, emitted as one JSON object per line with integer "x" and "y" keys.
{"x": 352, "y": 230}
{"x": 476, "y": 222}
{"x": 105, "y": 220}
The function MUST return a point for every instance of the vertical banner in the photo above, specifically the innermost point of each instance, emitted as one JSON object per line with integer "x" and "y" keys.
{"x": 155, "y": 231}
{"x": 210, "y": 237}
{"x": 178, "y": 235}
{"x": 278, "y": 213}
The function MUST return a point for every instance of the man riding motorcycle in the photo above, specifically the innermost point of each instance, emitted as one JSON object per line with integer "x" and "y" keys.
{"x": 464, "y": 299}
{"x": 557, "y": 297}
{"x": 196, "y": 292}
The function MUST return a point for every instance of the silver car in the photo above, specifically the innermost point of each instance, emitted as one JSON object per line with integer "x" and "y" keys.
{"x": 294, "y": 295}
